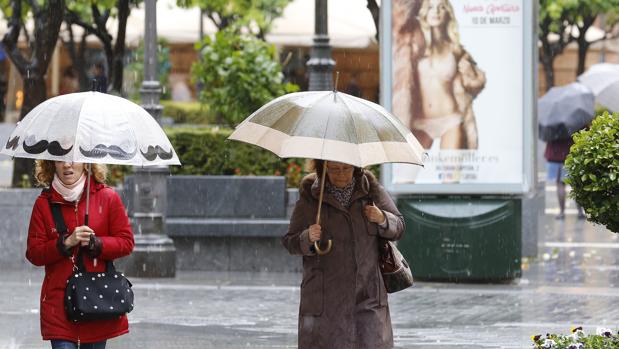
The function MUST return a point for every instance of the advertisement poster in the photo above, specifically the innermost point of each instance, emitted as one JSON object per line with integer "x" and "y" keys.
{"x": 457, "y": 75}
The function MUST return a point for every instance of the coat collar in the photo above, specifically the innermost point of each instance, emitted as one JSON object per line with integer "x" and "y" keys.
{"x": 310, "y": 186}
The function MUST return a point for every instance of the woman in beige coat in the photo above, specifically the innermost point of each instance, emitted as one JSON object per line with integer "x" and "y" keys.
{"x": 343, "y": 297}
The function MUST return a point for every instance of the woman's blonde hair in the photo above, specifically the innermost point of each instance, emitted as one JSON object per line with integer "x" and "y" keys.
{"x": 44, "y": 171}
{"x": 451, "y": 28}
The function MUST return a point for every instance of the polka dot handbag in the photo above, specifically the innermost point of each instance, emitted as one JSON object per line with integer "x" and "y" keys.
{"x": 97, "y": 296}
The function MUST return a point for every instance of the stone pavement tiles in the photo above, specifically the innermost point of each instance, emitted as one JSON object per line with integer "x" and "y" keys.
{"x": 573, "y": 282}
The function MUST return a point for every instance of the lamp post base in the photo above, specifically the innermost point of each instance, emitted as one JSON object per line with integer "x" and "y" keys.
{"x": 153, "y": 256}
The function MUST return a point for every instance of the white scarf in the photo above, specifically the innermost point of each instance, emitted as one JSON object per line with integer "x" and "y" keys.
{"x": 69, "y": 192}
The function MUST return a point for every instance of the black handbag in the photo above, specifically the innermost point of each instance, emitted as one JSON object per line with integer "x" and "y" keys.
{"x": 395, "y": 270}
{"x": 94, "y": 295}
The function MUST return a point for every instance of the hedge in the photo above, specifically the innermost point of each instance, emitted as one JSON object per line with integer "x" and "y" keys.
{"x": 206, "y": 151}
{"x": 188, "y": 113}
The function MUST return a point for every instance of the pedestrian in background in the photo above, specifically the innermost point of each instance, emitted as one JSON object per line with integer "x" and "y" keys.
{"x": 100, "y": 77}
{"x": 69, "y": 83}
{"x": 556, "y": 152}
{"x": 111, "y": 236}
{"x": 343, "y": 297}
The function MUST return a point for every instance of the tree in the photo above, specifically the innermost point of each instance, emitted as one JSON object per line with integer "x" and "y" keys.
{"x": 31, "y": 63}
{"x": 375, "y": 12}
{"x": 92, "y": 16}
{"x": 584, "y": 14}
{"x": 564, "y": 21}
{"x": 553, "y": 19}
{"x": 240, "y": 73}
{"x": 256, "y": 16}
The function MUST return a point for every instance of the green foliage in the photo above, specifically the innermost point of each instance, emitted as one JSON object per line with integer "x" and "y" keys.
{"x": 604, "y": 339}
{"x": 253, "y": 16}
{"x": 239, "y": 74}
{"x": 134, "y": 71}
{"x": 576, "y": 11}
{"x": 206, "y": 151}
{"x": 192, "y": 113}
{"x": 593, "y": 168}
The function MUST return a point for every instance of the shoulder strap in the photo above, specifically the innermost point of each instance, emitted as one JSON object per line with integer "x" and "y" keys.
{"x": 61, "y": 227}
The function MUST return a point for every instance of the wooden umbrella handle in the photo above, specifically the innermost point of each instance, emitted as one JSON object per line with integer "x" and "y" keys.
{"x": 322, "y": 190}
{"x": 323, "y": 252}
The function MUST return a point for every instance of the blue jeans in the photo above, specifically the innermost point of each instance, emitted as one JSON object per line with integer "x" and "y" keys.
{"x": 62, "y": 344}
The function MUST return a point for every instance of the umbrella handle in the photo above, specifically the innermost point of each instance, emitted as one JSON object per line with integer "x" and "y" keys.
{"x": 322, "y": 190}
{"x": 327, "y": 250}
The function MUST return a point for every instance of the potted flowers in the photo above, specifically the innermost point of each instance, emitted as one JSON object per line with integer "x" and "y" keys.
{"x": 578, "y": 339}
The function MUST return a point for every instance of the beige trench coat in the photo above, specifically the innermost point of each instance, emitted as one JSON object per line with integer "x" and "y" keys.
{"x": 343, "y": 298}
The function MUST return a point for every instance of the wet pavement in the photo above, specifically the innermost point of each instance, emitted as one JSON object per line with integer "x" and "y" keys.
{"x": 573, "y": 282}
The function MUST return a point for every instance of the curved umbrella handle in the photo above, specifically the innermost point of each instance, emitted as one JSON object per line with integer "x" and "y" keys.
{"x": 325, "y": 251}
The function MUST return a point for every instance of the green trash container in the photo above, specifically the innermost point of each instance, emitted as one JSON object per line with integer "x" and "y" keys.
{"x": 462, "y": 239}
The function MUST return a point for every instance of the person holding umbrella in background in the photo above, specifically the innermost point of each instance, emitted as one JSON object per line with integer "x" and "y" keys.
{"x": 556, "y": 152}
{"x": 107, "y": 236}
{"x": 562, "y": 111}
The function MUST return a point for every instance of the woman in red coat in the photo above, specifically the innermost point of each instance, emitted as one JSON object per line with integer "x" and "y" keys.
{"x": 110, "y": 228}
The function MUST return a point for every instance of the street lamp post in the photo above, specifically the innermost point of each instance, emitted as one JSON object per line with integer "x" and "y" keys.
{"x": 320, "y": 64}
{"x": 154, "y": 254}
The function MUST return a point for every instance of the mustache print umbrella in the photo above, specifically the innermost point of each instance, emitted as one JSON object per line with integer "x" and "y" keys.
{"x": 91, "y": 127}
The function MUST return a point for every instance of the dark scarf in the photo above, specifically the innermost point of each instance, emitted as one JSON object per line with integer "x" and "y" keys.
{"x": 342, "y": 195}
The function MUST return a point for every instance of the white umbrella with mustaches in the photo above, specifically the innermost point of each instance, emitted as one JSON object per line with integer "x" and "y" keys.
{"x": 91, "y": 127}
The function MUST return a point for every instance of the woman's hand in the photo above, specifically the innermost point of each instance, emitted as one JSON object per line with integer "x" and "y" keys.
{"x": 80, "y": 236}
{"x": 315, "y": 232}
{"x": 374, "y": 214}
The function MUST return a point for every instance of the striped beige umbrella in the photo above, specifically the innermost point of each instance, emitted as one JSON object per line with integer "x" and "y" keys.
{"x": 332, "y": 126}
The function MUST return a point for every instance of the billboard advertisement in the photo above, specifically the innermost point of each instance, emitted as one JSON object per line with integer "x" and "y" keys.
{"x": 460, "y": 75}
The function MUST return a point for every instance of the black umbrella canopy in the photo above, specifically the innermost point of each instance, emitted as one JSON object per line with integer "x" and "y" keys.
{"x": 564, "y": 110}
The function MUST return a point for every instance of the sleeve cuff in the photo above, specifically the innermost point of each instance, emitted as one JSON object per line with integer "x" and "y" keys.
{"x": 62, "y": 249}
{"x": 386, "y": 230}
{"x": 385, "y": 223}
{"x": 95, "y": 251}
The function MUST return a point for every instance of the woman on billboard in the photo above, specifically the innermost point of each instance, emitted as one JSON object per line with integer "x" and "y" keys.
{"x": 443, "y": 79}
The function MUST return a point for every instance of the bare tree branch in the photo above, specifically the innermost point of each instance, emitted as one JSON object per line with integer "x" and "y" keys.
{"x": 36, "y": 9}
{"x": 12, "y": 36}
{"x": 375, "y": 11}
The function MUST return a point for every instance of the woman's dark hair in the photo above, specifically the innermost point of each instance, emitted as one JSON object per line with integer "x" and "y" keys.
{"x": 316, "y": 165}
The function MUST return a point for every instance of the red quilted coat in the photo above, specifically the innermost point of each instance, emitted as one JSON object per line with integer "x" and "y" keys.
{"x": 108, "y": 219}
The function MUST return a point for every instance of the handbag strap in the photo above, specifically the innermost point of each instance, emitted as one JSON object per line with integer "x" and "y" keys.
{"x": 109, "y": 265}
{"x": 61, "y": 227}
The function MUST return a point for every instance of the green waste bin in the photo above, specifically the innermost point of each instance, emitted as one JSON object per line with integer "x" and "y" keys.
{"x": 462, "y": 239}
